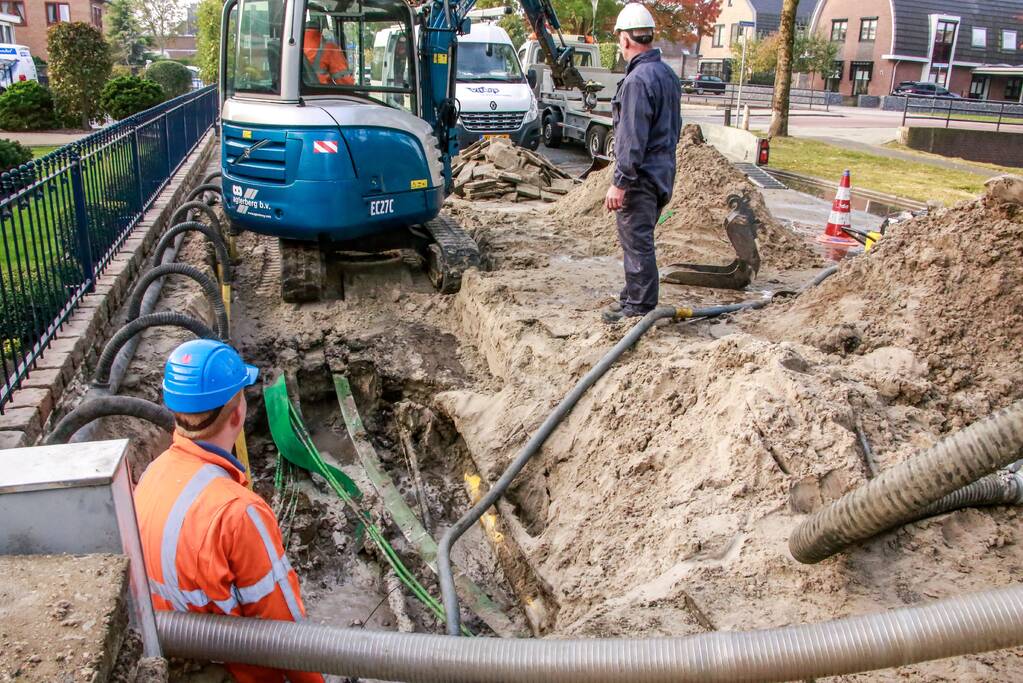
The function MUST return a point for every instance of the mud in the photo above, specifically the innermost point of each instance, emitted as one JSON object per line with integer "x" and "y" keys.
{"x": 664, "y": 502}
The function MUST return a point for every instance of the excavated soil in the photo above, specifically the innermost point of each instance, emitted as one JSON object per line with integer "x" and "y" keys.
{"x": 692, "y": 230}
{"x": 663, "y": 504}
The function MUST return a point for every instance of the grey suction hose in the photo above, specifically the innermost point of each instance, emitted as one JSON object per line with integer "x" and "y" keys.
{"x": 183, "y": 214}
{"x": 451, "y": 536}
{"x": 205, "y": 187}
{"x": 162, "y": 319}
{"x": 215, "y": 238}
{"x": 105, "y": 406}
{"x": 210, "y": 289}
{"x": 978, "y": 622}
{"x": 899, "y": 494}
{"x": 1001, "y": 488}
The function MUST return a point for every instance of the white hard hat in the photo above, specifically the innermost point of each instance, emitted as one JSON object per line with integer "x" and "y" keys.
{"x": 634, "y": 16}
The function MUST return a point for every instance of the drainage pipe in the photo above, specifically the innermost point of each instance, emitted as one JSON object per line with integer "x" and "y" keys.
{"x": 215, "y": 238}
{"x": 978, "y": 622}
{"x": 451, "y": 536}
{"x": 162, "y": 319}
{"x": 209, "y": 286}
{"x": 899, "y": 495}
{"x": 105, "y": 406}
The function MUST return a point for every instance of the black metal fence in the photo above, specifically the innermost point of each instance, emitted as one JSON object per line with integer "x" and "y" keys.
{"x": 759, "y": 97}
{"x": 64, "y": 216}
{"x": 958, "y": 111}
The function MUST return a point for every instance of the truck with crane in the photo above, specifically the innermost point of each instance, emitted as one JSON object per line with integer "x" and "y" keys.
{"x": 320, "y": 154}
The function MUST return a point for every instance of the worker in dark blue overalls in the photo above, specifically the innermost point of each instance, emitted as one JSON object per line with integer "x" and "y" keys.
{"x": 647, "y": 117}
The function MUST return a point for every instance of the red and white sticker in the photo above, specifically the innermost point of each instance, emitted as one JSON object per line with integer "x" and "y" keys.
{"x": 324, "y": 147}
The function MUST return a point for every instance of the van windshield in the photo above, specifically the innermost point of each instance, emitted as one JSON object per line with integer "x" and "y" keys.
{"x": 479, "y": 62}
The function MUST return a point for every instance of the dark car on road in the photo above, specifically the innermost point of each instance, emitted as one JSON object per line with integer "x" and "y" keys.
{"x": 703, "y": 84}
{"x": 924, "y": 89}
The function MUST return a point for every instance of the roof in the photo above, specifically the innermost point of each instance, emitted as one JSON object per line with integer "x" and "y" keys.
{"x": 912, "y": 27}
{"x": 768, "y": 13}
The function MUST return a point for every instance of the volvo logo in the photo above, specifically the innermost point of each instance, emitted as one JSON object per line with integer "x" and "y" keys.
{"x": 493, "y": 105}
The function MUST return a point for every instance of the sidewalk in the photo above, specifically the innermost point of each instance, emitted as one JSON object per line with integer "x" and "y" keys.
{"x": 856, "y": 145}
{"x": 35, "y": 139}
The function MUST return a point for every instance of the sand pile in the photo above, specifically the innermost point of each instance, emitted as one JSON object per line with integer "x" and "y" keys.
{"x": 692, "y": 229}
{"x": 945, "y": 290}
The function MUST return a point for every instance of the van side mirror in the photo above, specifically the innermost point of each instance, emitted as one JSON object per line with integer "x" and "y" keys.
{"x": 531, "y": 78}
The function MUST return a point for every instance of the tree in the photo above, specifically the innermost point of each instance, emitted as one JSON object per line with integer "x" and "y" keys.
{"x": 80, "y": 64}
{"x": 783, "y": 74}
{"x": 761, "y": 57}
{"x": 174, "y": 78}
{"x": 682, "y": 21}
{"x": 207, "y": 39}
{"x": 161, "y": 19}
{"x": 814, "y": 55}
{"x": 127, "y": 40}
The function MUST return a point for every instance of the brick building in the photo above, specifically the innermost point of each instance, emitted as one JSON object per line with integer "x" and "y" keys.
{"x": 36, "y": 17}
{"x": 716, "y": 49}
{"x": 967, "y": 46}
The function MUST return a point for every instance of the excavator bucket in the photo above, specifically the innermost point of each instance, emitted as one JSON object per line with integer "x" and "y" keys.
{"x": 596, "y": 164}
{"x": 741, "y": 227}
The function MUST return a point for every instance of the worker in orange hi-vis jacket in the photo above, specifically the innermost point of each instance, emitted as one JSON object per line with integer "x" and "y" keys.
{"x": 210, "y": 544}
{"x": 324, "y": 58}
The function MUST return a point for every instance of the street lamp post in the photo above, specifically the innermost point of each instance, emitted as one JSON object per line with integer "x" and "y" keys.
{"x": 743, "y": 25}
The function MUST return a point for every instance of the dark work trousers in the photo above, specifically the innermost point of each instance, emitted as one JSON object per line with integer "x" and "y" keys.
{"x": 636, "y": 222}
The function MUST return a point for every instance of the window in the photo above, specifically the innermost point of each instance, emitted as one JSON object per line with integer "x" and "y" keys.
{"x": 16, "y": 8}
{"x": 719, "y": 36}
{"x": 711, "y": 69}
{"x": 1008, "y": 41}
{"x": 868, "y": 29}
{"x": 834, "y": 77}
{"x": 340, "y": 34}
{"x": 6, "y": 34}
{"x": 1013, "y": 88}
{"x": 257, "y": 65}
{"x": 736, "y": 32}
{"x": 860, "y": 74}
{"x": 57, "y": 12}
{"x": 979, "y": 37}
{"x": 97, "y": 16}
{"x": 486, "y": 63}
{"x": 838, "y": 30}
{"x": 944, "y": 37}
{"x": 978, "y": 86}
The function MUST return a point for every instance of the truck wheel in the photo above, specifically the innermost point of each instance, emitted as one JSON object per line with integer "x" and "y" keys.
{"x": 551, "y": 131}
{"x": 596, "y": 140}
{"x": 609, "y": 146}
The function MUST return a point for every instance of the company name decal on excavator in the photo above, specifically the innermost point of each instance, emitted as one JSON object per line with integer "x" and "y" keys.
{"x": 245, "y": 202}
{"x": 380, "y": 207}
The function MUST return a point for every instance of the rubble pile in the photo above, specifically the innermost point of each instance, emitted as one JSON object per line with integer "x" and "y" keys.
{"x": 496, "y": 169}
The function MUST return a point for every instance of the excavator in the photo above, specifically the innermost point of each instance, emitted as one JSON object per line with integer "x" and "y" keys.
{"x": 339, "y": 126}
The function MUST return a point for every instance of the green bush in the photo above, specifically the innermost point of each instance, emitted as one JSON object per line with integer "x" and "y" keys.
{"x": 26, "y": 105}
{"x": 127, "y": 95}
{"x": 80, "y": 64}
{"x": 175, "y": 78}
{"x": 13, "y": 153}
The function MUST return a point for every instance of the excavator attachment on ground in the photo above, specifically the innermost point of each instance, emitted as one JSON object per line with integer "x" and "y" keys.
{"x": 741, "y": 227}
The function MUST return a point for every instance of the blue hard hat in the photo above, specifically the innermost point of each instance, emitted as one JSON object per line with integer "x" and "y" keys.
{"x": 204, "y": 374}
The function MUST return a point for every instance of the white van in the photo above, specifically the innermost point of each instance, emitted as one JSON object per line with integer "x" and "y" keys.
{"x": 494, "y": 98}
{"x": 16, "y": 64}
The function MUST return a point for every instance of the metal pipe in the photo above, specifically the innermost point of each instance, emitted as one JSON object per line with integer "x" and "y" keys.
{"x": 898, "y": 495}
{"x": 979, "y": 622}
{"x": 451, "y": 536}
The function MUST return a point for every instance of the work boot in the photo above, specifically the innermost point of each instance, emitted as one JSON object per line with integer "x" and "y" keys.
{"x": 615, "y": 313}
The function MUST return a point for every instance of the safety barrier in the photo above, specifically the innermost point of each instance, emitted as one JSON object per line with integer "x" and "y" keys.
{"x": 64, "y": 216}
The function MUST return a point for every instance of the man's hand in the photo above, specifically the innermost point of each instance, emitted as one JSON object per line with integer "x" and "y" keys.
{"x": 614, "y": 199}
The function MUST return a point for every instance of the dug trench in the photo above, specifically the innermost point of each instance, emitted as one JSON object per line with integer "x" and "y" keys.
{"x": 663, "y": 504}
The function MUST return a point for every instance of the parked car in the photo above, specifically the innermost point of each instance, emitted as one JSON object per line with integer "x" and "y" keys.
{"x": 924, "y": 89}
{"x": 702, "y": 84}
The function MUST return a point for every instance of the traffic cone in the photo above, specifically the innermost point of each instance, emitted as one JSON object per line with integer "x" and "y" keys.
{"x": 840, "y": 217}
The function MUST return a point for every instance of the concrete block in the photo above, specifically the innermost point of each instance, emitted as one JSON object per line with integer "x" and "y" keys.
{"x": 73, "y": 346}
{"x": 25, "y": 420}
{"x": 59, "y": 361}
{"x": 38, "y": 398}
{"x": 12, "y": 440}
{"x": 51, "y": 379}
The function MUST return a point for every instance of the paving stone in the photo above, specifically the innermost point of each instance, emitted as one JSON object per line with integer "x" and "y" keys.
{"x": 25, "y": 420}
{"x": 32, "y": 397}
{"x": 12, "y": 439}
{"x": 51, "y": 379}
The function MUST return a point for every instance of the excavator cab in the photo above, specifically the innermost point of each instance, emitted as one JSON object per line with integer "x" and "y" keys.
{"x": 323, "y": 150}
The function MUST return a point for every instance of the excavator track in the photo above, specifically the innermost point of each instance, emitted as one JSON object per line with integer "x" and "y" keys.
{"x": 303, "y": 270}
{"x": 450, "y": 254}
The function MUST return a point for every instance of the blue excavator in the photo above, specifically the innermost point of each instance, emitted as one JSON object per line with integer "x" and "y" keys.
{"x": 339, "y": 126}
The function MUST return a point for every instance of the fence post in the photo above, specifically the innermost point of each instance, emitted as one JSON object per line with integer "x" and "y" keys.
{"x": 166, "y": 144}
{"x": 136, "y": 163}
{"x": 998, "y": 123}
{"x": 905, "y": 108}
{"x": 82, "y": 221}
{"x": 948, "y": 116}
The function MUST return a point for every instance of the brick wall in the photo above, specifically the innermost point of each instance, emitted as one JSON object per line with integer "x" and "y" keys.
{"x": 976, "y": 145}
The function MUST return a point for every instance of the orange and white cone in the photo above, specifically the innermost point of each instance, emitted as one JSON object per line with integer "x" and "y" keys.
{"x": 840, "y": 217}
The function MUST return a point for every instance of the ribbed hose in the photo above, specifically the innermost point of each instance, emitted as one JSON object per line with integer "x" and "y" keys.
{"x": 210, "y": 177}
{"x": 899, "y": 494}
{"x": 205, "y": 187}
{"x": 219, "y": 246}
{"x": 210, "y": 289}
{"x": 451, "y": 536}
{"x": 105, "y": 406}
{"x": 979, "y": 622}
{"x": 162, "y": 319}
{"x": 1000, "y": 488}
{"x": 183, "y": 214}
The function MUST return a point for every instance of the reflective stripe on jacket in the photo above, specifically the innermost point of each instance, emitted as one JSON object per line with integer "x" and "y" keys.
{"x": 212, "y": 545}
{"x": 325, "y": 59}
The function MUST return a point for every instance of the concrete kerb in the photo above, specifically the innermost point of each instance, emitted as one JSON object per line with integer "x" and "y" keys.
{"x": 80, "y": 339}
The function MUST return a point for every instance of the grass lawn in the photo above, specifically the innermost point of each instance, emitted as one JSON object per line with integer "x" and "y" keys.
{"x": 909, "y": 179}
{"x": 42, "y": 150}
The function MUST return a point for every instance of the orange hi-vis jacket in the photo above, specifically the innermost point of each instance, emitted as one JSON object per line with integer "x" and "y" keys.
{"x": 211, "y": 545}
{"x": 325, "y": 59}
